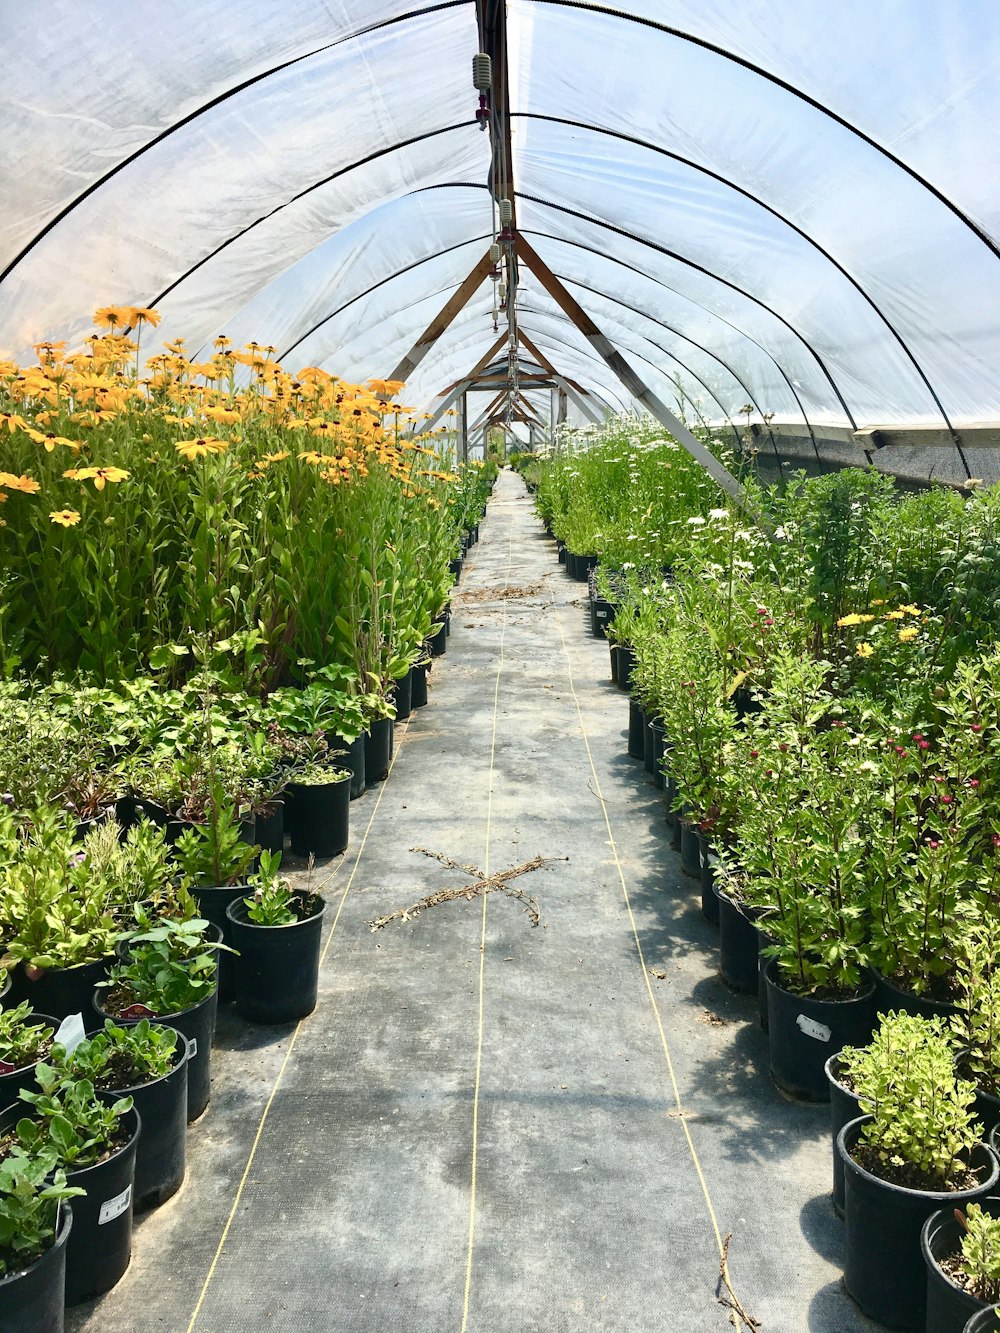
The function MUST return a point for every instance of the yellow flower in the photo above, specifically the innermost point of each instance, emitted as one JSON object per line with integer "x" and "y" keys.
{"x": 142, "y": 314}
{"x": 66, "y": 517}
{"x": 852, "y": 619}
{"x": 894, "y": 615}
{"x": 277, "y": 458}
{"x": 110, "y": 316}
{"x": 905, "y": 635}
{"x": 864, "y": 649}
{"x": 191, "y": 449}
{"x": 98, "y": 475}
{"x": 911, "y": 610}
{"x": 26, "y": 484}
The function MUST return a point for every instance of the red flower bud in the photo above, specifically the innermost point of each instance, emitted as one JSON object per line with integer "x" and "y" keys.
{"x": 754, "y": 754}
{"x": 947, "y": 800}
{"x": 783, "y": 748}
{"x": 769, "y": 621}
{"x": 924, "y": 745}
{"x": 976, "y": 727}
{"x": 933, "y": 843}
{"x": 973, "y": 782}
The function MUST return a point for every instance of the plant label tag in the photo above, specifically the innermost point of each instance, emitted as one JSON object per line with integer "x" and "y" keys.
{"x": 6, "y": 1068}
{"x": 192, "y": 1047}
{"x": 601, "y": 615}
{"x": 810, "y": 1028}
{"x": 136, "y": 1011}
{"x": 70, "y": 1033}
{"x": 115, "y": 1207}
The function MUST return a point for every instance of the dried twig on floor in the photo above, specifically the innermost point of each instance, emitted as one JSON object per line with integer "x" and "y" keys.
{"x": 447, "y": 861}
{"x": 497, "y": 883}
{"x": 738, "y": 1316}
{"x": 494, "y": 594}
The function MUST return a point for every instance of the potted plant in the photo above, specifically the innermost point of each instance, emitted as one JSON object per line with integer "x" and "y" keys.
{"x": 25, "y": 1040}
{"x": 147, "y": 1063}
{"x": 216, "y": 861}
{"x": 916, "y": 1148}
{"x": 976, "y": 1025}
{"x": 320, "y": 805}
{"x": 171, "y": 974}
{"x": 71, "y": 1127}
{"x": 277, "y": 931}
{"x": 58, "y": 921}
{"x": 961, "y": 1249}
{"x": 35, "y": 1222}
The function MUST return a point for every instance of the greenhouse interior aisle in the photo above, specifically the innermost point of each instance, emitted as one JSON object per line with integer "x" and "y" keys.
{"x": 489, "y": 1124}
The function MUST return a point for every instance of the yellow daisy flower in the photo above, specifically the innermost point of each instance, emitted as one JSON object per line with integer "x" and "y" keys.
{"x": 65, "y": 517}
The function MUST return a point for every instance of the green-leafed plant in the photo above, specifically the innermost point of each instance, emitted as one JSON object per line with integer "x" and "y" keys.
{"x": 979, "y": 1264}
{"x": 120, "y": 1057}
{"x": 70, "y": 1126}
{"x": 170, "y": 967}
{"x": 214, "y": 854}
{"x": 922, "y": 1126}
{"x": 977, "y": 1024}
{"x": 23, "y": 1042}
{"x": 274, "y": 901}
{"x": 30, "y": 1195}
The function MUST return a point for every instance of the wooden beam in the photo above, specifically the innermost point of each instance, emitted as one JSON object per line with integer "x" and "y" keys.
{"x": 636, "y": 387}
{"x": 456, "y": 302}
{"x": 567, "y": 385}
{"x": 481, "y": 364}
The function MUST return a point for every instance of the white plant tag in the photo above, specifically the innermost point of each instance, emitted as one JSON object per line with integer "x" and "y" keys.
{"x": 192, "y": 1047}
{"x": 810, "y": 1028}
{"x": 70, "y": 1033}
{"x": 115, "y": 1207}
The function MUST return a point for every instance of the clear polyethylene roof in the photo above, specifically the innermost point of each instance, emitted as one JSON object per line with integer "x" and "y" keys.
{"x": 792, "y": 205}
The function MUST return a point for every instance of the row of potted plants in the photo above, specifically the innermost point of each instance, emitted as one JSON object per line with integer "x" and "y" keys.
{"x": 820, "y": 703}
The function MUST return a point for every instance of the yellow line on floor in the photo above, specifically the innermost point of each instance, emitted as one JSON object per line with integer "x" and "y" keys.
{"x": 482, "y": 959}
{"x": 284, "y": 1064}
{"x": 664, "y": 1043}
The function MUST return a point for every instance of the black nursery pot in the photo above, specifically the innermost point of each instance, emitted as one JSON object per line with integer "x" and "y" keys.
{"x": 277, "y": 972}
{"x": 602, "y": 613}
{"x": 418, "y": 685}
{"x": 890, "y": 996}
{"x": 378, "y": 750}
{"x": 269, "y": 829}
{"x": 322, "y": 821}
{"x": 12, "y": 1082}
{"x": 613, "y": 654}
{"x": 212, "y": 904}
{"x": 709, "y": 902}
{"x": 648, "y": 744}
{"x": 33, "y": 1300}
{"x": 100, "y": 1245}
{"x": 437, "y": 640}
{"x": 350, "y": 755}
{"x": 636, "y": 730}
{"x": 659, "y": 733}
{"x": 884, "y": 1267}
{"x": 197, "y": 1026}
{"x": 60, "y": 991}
{"x": 626, "y": 661}
{"x": 803, "y": 1032}
{"x": 987, "y": 1110}
{"x": 161, "y": 1153}
{"x": 949, "y": 1308}
{"x": 986, "y": 1321}
{"x": 845, "y": 1106}
{"x": 402, "y": 696}
{"x": 738, "y": 944}
{"x": 690, "y": 849}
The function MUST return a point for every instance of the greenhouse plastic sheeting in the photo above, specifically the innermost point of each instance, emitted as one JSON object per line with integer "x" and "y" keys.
{"x": 792, "y": 206}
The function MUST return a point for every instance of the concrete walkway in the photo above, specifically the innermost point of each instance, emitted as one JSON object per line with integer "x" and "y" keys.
{"x": 489, "y": 1125}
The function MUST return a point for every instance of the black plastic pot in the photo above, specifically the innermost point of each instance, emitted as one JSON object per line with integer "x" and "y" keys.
{"x": 402, "y": 696}
{"x": 690, "y": 849}
{"x": 659, "y": 733}
{"x": 602, "y": 613}
{"x": 455, "y": 568}
{"x": 33, "y": 1300}
{"x": 277, "y": 972}
{"x": 14, "y": 1080}
{"x": 987, "y": 1108}
{"x": 197, "y": 1025}
{"x": 648, "y": 744}
{"x": 613, "y": 654}
{"x": 709, "y": 902}
{"x": 675, "y": 825}
{"x": 986, "y": 1321}
{"x": 636, "y": 730}
{"x": 884, "y": 1267}
{"x": 561, "y": 552}
{"x": 949, "y": 1308}
{"x": 60, "y": 990}
{"x": 212, "y": 904}
{"x": 803, "y": 1032}
{"x": 269, "y": 830}
{"x": 738, "y": 944}
{"x": 349, "y": 755}
{"x": 321, "y": 819}
{"x": 378, "y": 750}
{"x": 626, "y": 661}
{"x": 437, "y": 640}
{"x": 100, "y": 1244}
{"x": 890, "y": 996}
{"x": 845, "y": 1106}
{"x": 161, "y": 1152}
{"x": 669, "y": 796}
{"x": 418, "y": 685}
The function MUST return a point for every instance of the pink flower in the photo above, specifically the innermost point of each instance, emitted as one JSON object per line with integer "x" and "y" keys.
{"x": 976, "y": 727}
{"x": 947, "y": 800}
{"x": 924, "y": 745}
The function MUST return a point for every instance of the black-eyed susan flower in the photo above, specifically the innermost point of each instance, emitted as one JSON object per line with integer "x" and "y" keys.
{"x": 201, "y": 448}
{"x": 66, "y": 518}
{"x": 100, "y": 476}
{"x": 23, "y": 483}
{"x": 113, "y": 316}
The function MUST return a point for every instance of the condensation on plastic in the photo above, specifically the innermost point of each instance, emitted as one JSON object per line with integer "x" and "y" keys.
{"x": 278, "y": 174}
